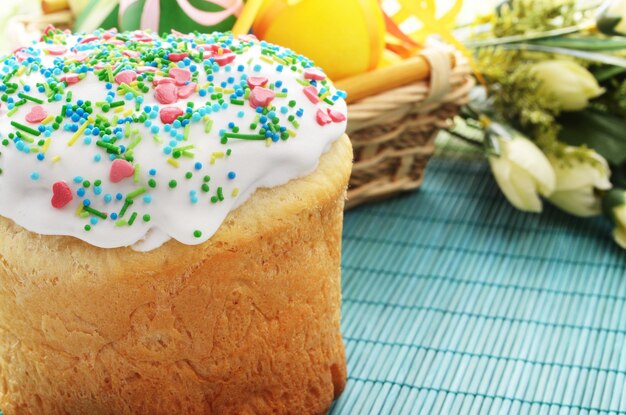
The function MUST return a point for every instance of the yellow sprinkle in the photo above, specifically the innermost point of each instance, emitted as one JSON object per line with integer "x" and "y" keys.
{"x": 46, "y": 145}
{"x": 266, "y": 59}
{"x": 268, "y": 142}
{"x": 21, "y": 71}
{"x": 56, "y": 158}
{"x": 281, "y": 61}
{"x": 291, "y": 133}
{"x": 136, "y": 175}
{"x": 80, "y": 131}
{"x": 205, "y": 86}
{"x": 47, "y": 119}
{"x": 216, "y": 155}
{"x": 79, "y": 209}
{"x": 173, "y": 162}
{"x": 128, "y": 112}
{"x": 119, "y": 109}
{"x": 235, "y": 192}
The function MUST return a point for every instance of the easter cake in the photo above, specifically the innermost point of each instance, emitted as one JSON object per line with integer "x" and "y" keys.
{"x": 170, "y": 226}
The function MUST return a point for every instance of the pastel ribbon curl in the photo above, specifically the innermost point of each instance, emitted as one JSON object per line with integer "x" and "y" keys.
{"x": 151, "y": 13}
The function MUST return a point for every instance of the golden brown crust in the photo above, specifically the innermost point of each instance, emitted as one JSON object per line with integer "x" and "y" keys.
{"x": 247, "y": 322}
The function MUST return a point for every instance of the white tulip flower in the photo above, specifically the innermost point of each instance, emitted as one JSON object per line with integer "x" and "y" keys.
{"x": 571, "y": 85}
{"x": 521, "y": 170}
{"x": 580, "y": 174}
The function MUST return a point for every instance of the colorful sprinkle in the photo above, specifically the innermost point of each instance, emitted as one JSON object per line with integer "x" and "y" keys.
{"x": 120, "y": 170}
{"x": 61, "y": 195}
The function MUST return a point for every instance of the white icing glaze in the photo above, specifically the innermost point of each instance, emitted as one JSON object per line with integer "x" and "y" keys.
{"x": 172, "y": 214}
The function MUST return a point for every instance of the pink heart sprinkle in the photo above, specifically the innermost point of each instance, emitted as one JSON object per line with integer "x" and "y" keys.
{"x": 61, "y": 195}
{"x": 158, "y": 80}
{"x": 322, "y": 118}
{"x": 177, "y": 57}
{"x": 109, "y": 34}
{"x": 225, "y": 58}
{"x": 261, "y": 97}
{"x": 36, "y": 115}
{"x": 181, "y": 75}
{"x": 126, "y": 77}
{"x": 21, "y": 56}
{"x": 336, "y": 116}
{"x": 247, "y": 38}
{"x": 89, "y": 39}
{"x": 255, "y": 81}
{"x": 70, "y": 78}
{"x": 78, "y": 57}
{"x": 143, "y": 69}
{"x": 48, "y": 29}
{"x": 186, "y": 91}
{"x": 311, "y": 94}
{"x": 56, "y": 49}
{"x": 120, "y": 170}
{"x": 131, "y": 54}
{"x": 314, "y": 74}
{"x": 166, "y": 93}
{"x": 222, "y": 56}
{"x": 170, "y": 114}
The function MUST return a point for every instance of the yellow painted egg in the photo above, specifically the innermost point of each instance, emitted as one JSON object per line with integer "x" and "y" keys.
{"x": 344, "y": 37}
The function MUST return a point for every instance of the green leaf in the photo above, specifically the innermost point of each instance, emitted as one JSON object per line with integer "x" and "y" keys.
{"x": 581, "y": 54}
{"x": 602, "y": 132}
{"x": 595, "y": 44}
{"x": 618, "y": 175}
{"x": 604, "y": 73}
{"x": 607, "y": 24}
{"x": 496, "y": 41}
{"x": 612, "y": 199}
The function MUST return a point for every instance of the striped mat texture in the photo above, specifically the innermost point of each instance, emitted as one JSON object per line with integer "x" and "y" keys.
{"x": 455, "y": 303}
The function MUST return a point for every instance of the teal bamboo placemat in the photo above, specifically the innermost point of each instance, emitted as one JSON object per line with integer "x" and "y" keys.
{"x": 455, "y": 303}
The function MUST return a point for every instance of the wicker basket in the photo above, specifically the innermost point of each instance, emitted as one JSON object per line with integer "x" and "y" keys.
{"x": 393, "y": 133}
